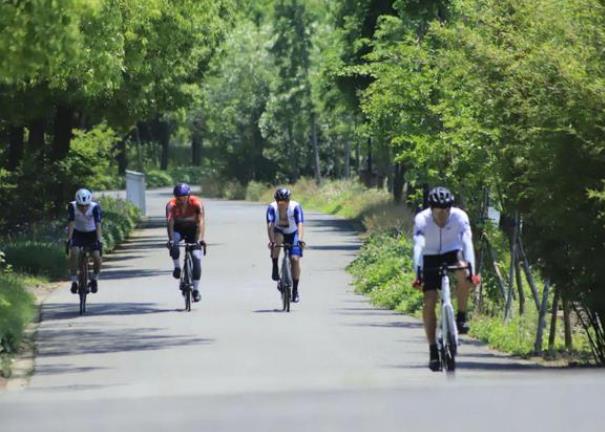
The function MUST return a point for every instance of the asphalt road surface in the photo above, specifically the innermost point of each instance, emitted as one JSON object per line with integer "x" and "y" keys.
{"x": 137, "y": 361}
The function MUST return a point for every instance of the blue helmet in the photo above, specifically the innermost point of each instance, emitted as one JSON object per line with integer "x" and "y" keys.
{"x": 182, "y": 189}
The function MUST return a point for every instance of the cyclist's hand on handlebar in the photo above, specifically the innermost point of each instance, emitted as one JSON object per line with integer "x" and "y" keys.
{"x": 202, "y": 244}
{"x": 475, "y": 279}
{"x": 417, "y": 283}
{"x": 100, "y": 247}
{"x": 271, "y": 245}
{"x": 169, "y": 244}
{"x": 302, "y": 244}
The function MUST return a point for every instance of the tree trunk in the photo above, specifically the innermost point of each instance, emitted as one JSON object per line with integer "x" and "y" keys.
{"x": 315, "y": 150}
{"x": 36, "y": 135}
{"x": 567, "y": 324}
{"x": 519, "y": 285}
{"x": 508, "y": 311}
{"x": 15, "y": 147}
{"x": 527, "y": 271}
{"x": 398, "y": 182}
{"x": 64, "y": 121}
{"x": 553, "y": 320}
{"x": 164, "y": 137}
{"x": 196, "y": 149}
{"x": 347, "y": 157}
{"x": 122, "y": 156}
{"x": 541, "y": 320}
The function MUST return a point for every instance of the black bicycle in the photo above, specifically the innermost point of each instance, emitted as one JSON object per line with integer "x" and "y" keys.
{"x": 285, "y": 284}
{"x": 186, "y": 282}
{"x": 84, "y": 257}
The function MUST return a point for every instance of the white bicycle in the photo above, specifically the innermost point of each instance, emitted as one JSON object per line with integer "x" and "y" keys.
{"x": 447, "y": 336}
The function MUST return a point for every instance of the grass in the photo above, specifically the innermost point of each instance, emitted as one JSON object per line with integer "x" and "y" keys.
{"x": 16, "y": 311}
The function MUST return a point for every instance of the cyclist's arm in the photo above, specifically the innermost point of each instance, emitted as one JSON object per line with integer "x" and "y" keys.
{"x": 299, "y": 218}
{"x": 270, "y": 232}
{"x": 271, "y": 218}
{"x": 170, "y": 228}
{"x": 71, "y": 217}
{"x": 467, "y": 248}
{"x": 70, "y": 230}
{"x": 97, "y": 216}
{"x": 419, "y": 242}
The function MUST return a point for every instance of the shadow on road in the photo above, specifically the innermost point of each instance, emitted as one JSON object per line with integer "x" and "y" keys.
{"x": 64, "y": 369}
{"x": 58, "y": 342}
{"x": 341, "y": 247}
{"x": 110, "y": 274}
{"x": 60, "y": 311}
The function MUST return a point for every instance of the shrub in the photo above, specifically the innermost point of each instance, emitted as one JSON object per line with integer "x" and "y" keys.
{"x": 158, "y": 178}
{"x": 16, "y": 310}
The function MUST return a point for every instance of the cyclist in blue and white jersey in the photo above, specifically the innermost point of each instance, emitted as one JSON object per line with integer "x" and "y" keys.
{"x": 84, "y": 230}
{"x": 285, "y": 219}
{"x": 442, "y": 235}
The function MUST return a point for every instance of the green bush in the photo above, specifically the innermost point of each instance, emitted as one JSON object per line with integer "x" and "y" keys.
{"x": 255, "y": 191}
{"x": 37, "y": 257}
{"x": 16, "y": 310}
{"x": 383, "y": 270}
{"x": 119, "y": 219}
{"x": 187, "y": 174}
{"x": 158, "y": 178}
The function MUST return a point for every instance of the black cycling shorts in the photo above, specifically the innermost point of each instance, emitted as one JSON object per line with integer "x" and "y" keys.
{"x": 431, "y": 278}
{"x": 85, "y": 239}
{"x": 186, "y": 232}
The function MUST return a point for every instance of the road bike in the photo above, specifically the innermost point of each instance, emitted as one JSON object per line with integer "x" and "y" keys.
{"x": 186, "y": 281}
{"x": 447, "y": 336}
{"x": 84, "y": 258}
{"x": 284, "y": 285}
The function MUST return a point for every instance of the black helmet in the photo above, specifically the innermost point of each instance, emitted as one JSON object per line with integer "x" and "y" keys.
{"x": 440, "y": 197}
{"x": 282, "y": 194}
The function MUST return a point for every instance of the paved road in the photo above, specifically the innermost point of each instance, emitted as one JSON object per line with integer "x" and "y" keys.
{"x": 138, "y": 362}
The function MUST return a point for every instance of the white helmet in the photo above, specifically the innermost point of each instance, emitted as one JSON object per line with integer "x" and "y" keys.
{"x": 83, "y": 197}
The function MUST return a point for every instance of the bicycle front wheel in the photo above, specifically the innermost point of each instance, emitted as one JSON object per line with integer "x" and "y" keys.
{"x": 187, "y": 281}
{"x": 83, "y": 283}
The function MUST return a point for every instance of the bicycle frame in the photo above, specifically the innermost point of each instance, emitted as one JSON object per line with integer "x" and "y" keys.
{"x": 448, "y": 323}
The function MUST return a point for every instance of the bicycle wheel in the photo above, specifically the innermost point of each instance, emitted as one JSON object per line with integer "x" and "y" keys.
{"x": 286, "y": 283}
{"x": 83, "y": 282}
{"x": 187, "y": 282}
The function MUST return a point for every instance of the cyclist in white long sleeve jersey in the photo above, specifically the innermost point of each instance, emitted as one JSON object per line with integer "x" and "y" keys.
{"x": 442, "y": 235}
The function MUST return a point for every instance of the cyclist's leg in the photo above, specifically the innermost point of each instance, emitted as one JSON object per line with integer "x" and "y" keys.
{"x": 295, "y": 256}
{"x": 196, "y": 259}
{"x": 74, "y": 254}
{"x": 431, "y": 283}
{"x": 175, "y": 253}
{"x": 463, "y": 288}
{"x": 279, "y": 238}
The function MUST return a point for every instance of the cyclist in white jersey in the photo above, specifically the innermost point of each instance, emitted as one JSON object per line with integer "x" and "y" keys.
{"x": 442, "y": 235}
{"x": 84, "y": 230}
{"x": 285, "y": 220}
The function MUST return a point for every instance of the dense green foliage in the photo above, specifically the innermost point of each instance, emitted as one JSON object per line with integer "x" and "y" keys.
{"x": 16, "y": 310}
{"x": 83, "y": 81}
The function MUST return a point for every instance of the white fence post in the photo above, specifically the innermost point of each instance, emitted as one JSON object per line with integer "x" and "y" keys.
{"x": 135, "y": 189}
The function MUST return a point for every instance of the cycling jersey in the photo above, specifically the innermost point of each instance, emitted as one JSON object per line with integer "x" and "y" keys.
{"x": 84, "y": 221}
{"x": 184, "y": 216}
{"x": 294, "y": 216}
{"x": 430, "y": 239}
